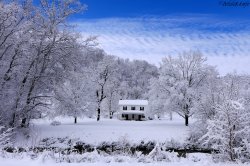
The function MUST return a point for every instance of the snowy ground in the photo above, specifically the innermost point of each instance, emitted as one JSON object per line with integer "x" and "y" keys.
{"x": 192, "y": 160}
{"x": 93, "y": 132}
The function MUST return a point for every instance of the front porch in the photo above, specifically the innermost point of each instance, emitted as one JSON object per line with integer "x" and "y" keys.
{"x": 133, "y": 116}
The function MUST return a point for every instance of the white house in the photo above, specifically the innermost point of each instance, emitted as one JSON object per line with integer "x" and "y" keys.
{"x": 132, "y": 109}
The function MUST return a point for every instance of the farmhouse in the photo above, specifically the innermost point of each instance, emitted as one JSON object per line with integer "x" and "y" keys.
{"x": 132, "y": 109}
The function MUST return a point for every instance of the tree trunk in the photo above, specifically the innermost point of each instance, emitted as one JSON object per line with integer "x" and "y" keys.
{"x": 171, "y": 115}
{"x": 75, "y": 120}
{"x": 110, "y": 115}
{"x": 98, "y": 113}
{"x": 110, "y": 107}
{"x": 186, "y": 120}
{"x": 12, "y": 123}
{"x": 23, "y": 122}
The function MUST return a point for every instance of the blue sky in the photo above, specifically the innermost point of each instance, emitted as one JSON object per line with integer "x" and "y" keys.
{"x": 153, "y": 29}
{"x": 137, "y": 8}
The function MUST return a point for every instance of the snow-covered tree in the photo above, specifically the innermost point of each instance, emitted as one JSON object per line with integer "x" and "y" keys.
{"x": 179, "y": 82}
{"x": 222, "y": 122}
{"x": 101, "y": 76}
{"x": 229, "y": 131}
{"x": 14, "y": 55}
{"x": 134, "y": 78}
{"x": 157, "y": 99}
{"x": 74, "y": 97}
{"x": 210, "y": 97}
{"x": 113, "y": 96}
{"x": 33, "y": 41}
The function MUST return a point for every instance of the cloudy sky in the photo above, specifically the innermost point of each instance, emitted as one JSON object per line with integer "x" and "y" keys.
{"x": 152, "y": 29}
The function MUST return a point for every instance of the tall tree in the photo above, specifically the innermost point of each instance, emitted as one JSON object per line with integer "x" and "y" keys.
{"x": 73, "y": 96}
{"x": 113, "y": 96}
{"x": 179, "y": 82}
{"x": 102, "y": 78}
{"x": 33, "y": 40}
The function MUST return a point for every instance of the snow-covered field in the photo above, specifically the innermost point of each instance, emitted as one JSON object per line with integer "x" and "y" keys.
{"x": 192, "y": 160}
{"x": 93, "y": 132}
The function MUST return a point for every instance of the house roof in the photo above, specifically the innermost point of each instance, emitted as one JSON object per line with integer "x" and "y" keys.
{"x": 133, "y": 102}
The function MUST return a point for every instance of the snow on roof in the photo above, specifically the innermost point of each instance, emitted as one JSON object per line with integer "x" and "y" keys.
{"x": 133, "y": 102}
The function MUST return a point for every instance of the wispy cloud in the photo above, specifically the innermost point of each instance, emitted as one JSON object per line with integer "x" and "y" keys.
{"x": 225, "y": 42}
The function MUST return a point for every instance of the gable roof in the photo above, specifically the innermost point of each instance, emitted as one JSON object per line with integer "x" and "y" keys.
{"x": 133, "y": 102}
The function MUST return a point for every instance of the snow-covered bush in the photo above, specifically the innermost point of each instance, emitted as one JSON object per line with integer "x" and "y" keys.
{"x": 5, "y": 136}
{"x": 55, "y": 123}
{"x": 157, "y": 154}
{"x": 197, "y": 130}
{"x": 64, "y": 142}
{"x": 173, "y": 144}
{"x": 229, "y": 132}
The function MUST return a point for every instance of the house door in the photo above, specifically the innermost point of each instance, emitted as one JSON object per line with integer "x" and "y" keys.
{"x": 139, "y": 117}
{"x": 126, "y": 116}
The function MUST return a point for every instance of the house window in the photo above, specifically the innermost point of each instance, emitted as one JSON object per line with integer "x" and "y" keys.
{"x": 125, "y": 108}
{"x": 133, "y": 108}
{"x": 141, "y": 108}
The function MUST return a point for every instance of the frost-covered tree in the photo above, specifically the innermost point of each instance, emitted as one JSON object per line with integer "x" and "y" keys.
{"x": 222, "y": 122}
{"x": 134, "y": 77}
{"x": 14, "y": 55}
{"x": 33, "y": 42}
{"x": 113, "y": 96}
{"x": 157, "y": 99}
{"x": 101, "y": 76}
{"x": 229, "y": 131}
{"x": 180, "y": 80}
{"x": 73, "y": 97}
{"x": 210, "y": 98}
